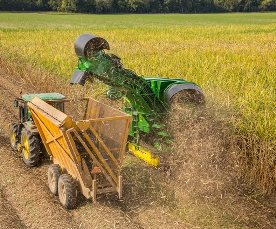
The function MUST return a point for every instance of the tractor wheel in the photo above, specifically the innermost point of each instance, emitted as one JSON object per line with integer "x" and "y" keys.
{"x": 54, "y": 172}
{"x": 14, "y": 136}
{"x": 30, "y": 148}
{"x": 67, "y": 191}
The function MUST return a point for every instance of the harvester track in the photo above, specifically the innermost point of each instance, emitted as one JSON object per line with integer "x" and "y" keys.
{"x": 9, "y": 217}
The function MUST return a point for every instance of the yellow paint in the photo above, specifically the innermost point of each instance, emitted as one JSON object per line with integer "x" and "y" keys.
{"x": 59, "y": 132}
{"x": 26, "y": 148}
{"x": 13, "y": 138}
{"x": 143, "y": 154}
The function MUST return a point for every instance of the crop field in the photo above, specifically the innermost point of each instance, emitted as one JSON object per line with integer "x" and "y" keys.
{"x": 231, "y": 56}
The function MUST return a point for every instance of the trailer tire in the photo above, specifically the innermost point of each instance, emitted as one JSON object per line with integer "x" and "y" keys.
{"x": 14, "y": 136}
{"x": 30, "y": 148}
{"x": 54, "y": 172}
{"x": 67, "y": 191}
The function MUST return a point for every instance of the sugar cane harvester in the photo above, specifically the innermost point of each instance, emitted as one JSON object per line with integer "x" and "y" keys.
{"x": 147, "y": 99}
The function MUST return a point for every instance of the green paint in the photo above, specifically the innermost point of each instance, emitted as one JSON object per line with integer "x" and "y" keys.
{"x": 43, "y": 96}
{"x": 144, "y": 96}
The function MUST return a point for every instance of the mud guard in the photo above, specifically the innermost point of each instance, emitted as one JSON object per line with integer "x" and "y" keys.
{"x": 79, "y": 77}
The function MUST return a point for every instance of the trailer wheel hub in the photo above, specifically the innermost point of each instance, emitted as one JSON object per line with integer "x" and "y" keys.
{"x": 62, "y": 193}
{"x": 13, "y": 139}
{"x": 26, "y": 150}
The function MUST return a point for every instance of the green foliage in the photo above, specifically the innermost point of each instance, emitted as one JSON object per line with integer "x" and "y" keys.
{"x": 140, "y": 6}
{"x": 86, "y": 6}
{"x": 43, "y": 4}
{"x": 103, "y": 6}
{"x": 68, "y": 6}
{"x": 54, "y": 4}
{"x": 24, "y": 5}
{"x": 245, "y": 5}
{"x": 268, "y": 5}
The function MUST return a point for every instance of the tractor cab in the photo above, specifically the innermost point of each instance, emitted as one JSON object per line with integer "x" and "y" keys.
{"x": 24, "y": 135}
{"x": 55, "y": 99}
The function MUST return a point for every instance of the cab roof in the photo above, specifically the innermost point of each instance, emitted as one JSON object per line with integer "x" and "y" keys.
{"x": 43, "y": 96}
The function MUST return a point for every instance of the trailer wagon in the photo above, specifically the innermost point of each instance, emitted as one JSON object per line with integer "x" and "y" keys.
{"x": 87, "y": 154}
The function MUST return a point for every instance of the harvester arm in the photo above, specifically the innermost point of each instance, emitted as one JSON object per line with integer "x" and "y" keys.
{"x": 94, "y": 62}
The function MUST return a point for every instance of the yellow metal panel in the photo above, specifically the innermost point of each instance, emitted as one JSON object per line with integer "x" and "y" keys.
{"x": 109, "y": 128}
{"x": 57, "y": 116}
{"x": 52, "y": 124}
{"x": 144, "y": 154}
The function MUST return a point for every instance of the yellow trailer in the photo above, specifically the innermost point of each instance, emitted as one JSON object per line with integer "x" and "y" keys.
{"x": 87, "y": 154}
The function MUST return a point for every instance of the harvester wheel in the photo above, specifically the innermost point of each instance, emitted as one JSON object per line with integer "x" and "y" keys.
{"x": 14, "y": 136}
{"x": 54, "y": 172}
{"x": 67, "y": 191}
{"x": 30, "y": 148}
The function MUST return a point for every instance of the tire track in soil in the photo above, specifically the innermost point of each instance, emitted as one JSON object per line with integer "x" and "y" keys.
{"x": 8, "y": 216}
{"x": 25, "y": 192}
{"x": 28, "y": 195}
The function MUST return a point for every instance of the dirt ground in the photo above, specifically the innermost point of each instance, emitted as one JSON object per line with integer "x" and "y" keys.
{"x": 163, "y": 198}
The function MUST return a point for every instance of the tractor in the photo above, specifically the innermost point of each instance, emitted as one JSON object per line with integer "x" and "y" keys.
{"x": 24, "y": 135}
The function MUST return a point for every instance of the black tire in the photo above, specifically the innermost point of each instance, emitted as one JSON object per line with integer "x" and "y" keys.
{"x": 54, "y": 172}
{"x": 14, "y": 136}
{"x": 67, "y": 191}
{"x": 31, "y": 149}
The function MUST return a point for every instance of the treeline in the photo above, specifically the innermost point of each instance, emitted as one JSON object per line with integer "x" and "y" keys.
{"x": 139, "y": 6}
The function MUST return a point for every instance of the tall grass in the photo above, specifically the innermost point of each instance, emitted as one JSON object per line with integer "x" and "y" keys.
{"x": 231, "y": 56}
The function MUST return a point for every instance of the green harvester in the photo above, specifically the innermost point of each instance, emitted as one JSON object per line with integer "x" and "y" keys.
{"x": 147, "y": 99}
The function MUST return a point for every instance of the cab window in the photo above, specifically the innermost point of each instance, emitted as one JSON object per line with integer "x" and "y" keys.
{"x": 57, "y": 105}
